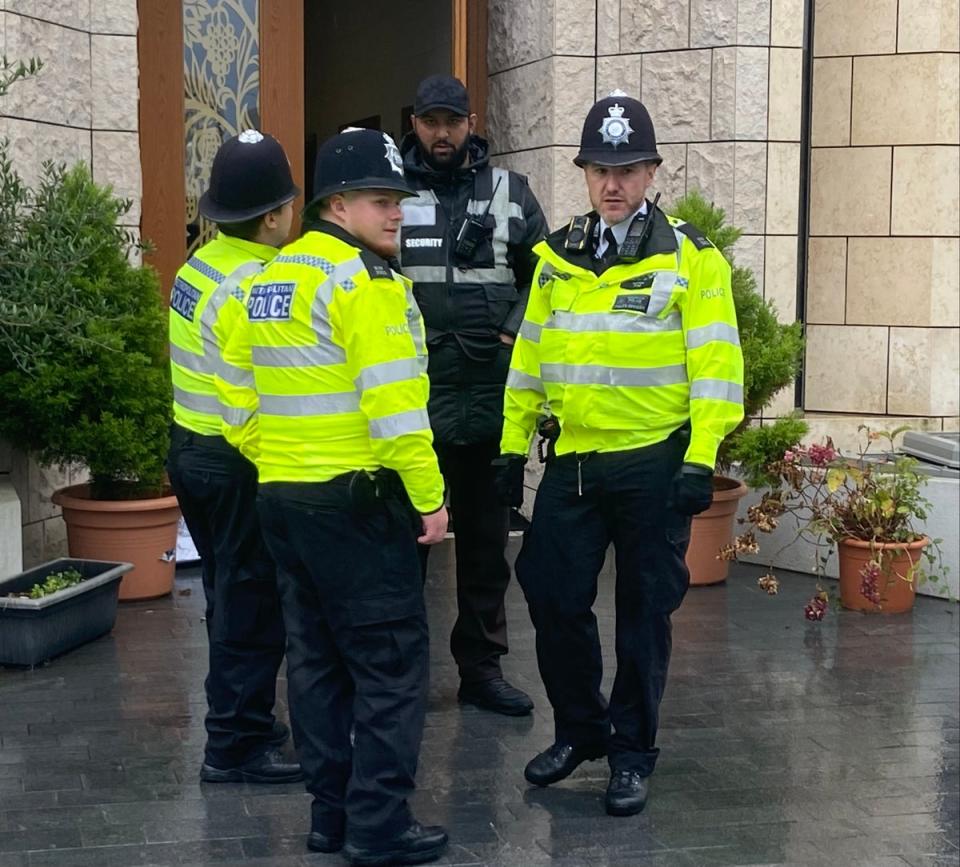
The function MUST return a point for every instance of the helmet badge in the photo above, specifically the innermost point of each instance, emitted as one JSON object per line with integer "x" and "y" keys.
{"x": 616, "y": 129}
{"x": 250, "y": 136}
{"x": 393, "y": 155}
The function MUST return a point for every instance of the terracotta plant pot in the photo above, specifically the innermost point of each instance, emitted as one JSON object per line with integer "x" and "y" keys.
{"x": 711, "y": 530}
{"x": 142, "y": 532}
{"x": 896, "y": 560}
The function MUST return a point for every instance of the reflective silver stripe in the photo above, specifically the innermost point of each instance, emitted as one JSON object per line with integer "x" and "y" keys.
{"x": 234, "y": 375}
{"x": 530, "y": 331}
{"x": 399, "y": 423}
{"x": 315, "y": 355}
{"x": 662, "y": 291}
{"x": 716, "y": 389}
{"x": 208, "y": 271}
{"x": 426, "y": 273}
{"x": 388, "y": 372}
{"x": 679, "y": 236}
{"x": 517, "y": 379}
{"x": 189, "y": 360}
{"x": 501, "y": 208}
{"x": 622, "y": 323}
{"x": 309, "y": 404}
{"x": 719, "y": 331}
{"x": 206, "y": 403}
{"x": 596, "y": 374}
{"x": 234, "y": 416}
{"x": 230, "y": 284}
{"x": 416, "y": 328}
{"x": 497, "y": 274}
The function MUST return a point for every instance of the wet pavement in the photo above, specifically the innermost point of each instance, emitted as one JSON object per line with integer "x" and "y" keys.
{"x": 783, "y": 742}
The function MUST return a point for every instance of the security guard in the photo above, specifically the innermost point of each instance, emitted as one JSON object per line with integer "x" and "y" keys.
{"x": 467, "y": 241}
{"x": 251, "y": 199}
{"x": 349, "y": 484}
{"x": 631, "y": 338}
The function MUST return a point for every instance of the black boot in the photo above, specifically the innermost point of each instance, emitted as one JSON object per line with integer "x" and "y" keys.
{"x": 417, "y": 845}
{"x": 271, "y": 767}
{"x": 279, "y": 734}
{"x": 496, "y": 695}
{"x": 317, "y": 842}
{"x": 627, "y": 793}
{"x": 559, "y": 761}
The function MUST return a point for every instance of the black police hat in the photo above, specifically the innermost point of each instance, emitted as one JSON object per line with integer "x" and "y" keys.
{"x": 359, "y": 159}
{"x": 250, "y": 177}
{"x": 618, "y": 131}
{"x": 441, "y": 91}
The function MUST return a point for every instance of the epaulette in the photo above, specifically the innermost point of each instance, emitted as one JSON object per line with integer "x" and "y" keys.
{"x": 376, "y": 266}
{"x": 700, "y": 241}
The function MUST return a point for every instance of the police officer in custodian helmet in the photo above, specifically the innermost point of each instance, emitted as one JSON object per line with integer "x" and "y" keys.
{"x": 631, "y": 337}
{"x": 349, "y": 483}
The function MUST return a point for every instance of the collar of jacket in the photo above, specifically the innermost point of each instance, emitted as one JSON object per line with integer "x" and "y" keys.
{"x": 326, "y": 227}
{"x": 263, "y": 252}
{"x": 413, "y": 162}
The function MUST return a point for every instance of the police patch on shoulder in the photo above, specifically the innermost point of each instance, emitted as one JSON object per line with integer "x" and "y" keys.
{"x": 700, "y": 241}
{"x": 644, "y": 281}
{"x": 639, "y": 303}
{"x": 184, "y": 298}
{"x": 270, "y": 302}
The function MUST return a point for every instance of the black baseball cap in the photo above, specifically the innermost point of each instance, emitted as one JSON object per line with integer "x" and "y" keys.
{"x": 441, "y": 91}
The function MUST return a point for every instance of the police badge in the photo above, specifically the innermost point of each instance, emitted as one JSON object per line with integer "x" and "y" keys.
{"x": 616, "y": 128}
{"x": 393, "y": 155}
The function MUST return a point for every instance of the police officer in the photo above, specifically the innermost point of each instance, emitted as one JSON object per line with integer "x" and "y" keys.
{"x": 631, "y": 336}
{"x": 466, "y": 244}
{"x": 349, "y": 484}
{"x": 251, "y": 199}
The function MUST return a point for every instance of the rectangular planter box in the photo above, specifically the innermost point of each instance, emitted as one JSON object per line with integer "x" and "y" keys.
{"x": 35, "y": 630}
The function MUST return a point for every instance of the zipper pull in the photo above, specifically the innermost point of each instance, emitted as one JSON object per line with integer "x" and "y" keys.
{"x": 579, "y": 477}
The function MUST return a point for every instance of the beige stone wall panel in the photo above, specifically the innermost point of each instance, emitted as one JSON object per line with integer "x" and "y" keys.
{"x": 28, "y": 139}
{"x": 780, "y": 280}
{"x": 925, "y": 185}
{"x": 676, "y": 91}
{"x": 846, "y": 369}
{"x": 906, "y": 99}
{"x": 786, "y": 85}
{"x": 928, "y": 25}
{"x": 832, "y": 84}
{"x": 537, "y": 165}
{"x": 748, "y": 252}
{"x": 713, "y": 22}
{"x": 753, "y": 65}
{"x": 69, "y": 13}
{"x": 115, "y": 92}
{"x": 516, "y": 33}
{"x": 569, "y": 189}
{"x": 753, "y": 22}
{"x": 904, "y": 281}
{"x": 61, "y": 92}
{"x": 750, "y": 186}
{"x": 116, "y": 161}
{"x": 924, "y": 371}
{"x": 843, "y": 428}
{"x": 41, "y": 483}
{"x": 783, "y": 188}
{"x": 723, "y": 98}
{"x": 850, "y": 191}
{"x": 671, "y": 177}
{"x": 608, "y": 26}
{"x": 574, "y": 27}
{"x": 826, "y": 281}
{"x": 114, "y": 16}
{"x": 711, "y": 169}
{"x": 861, "y": 27}
{"x": 656, "y": 25}
{"x": 620, "y": 72}
{"x": 786, "y": 23}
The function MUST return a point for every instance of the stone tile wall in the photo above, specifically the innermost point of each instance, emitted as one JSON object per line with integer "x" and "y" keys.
{"x": 82, "y": 106}
{"x": 883, "y": 297}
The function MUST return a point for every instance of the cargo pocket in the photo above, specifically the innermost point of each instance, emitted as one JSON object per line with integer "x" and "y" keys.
{"x": 500, "y": 300}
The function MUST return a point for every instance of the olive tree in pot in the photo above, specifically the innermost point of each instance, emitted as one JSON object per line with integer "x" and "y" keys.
{"x": 772, "y": 355}
{"x": 83, "y": 367}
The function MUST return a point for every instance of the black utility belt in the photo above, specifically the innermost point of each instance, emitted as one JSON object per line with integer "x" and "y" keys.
{"x": 182, "y": 436}
{"x": 363, "y": 489}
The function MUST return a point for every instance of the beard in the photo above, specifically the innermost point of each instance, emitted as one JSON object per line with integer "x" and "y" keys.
{"x": 448, "y": 162}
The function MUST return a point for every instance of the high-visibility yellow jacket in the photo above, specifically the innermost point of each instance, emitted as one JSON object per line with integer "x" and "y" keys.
{"x": 337, "y": 349}
{"x": 625, "y": 357}
{"x": 199, "y": 330}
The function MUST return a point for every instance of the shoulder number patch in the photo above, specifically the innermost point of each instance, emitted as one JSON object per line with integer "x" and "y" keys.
{"x": 270, "y": 302}
{"x": 184, "y": 298}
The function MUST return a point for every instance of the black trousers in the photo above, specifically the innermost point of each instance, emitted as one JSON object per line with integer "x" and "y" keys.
{"x": 623, "y": 500}
{"x": 357, "y": 650}
{"x": 481, "y": 524}
{"x": 216, "y": 488}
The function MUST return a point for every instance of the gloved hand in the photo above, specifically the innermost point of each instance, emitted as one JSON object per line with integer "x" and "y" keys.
{"x": 692, "y": 490}
{"x": 508, "y": 479}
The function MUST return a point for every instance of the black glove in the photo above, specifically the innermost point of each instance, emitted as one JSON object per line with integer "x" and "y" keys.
{"x": 692, "y": 490}
{"x": 508, "y": 479}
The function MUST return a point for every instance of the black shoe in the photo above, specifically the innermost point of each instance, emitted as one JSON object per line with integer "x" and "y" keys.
{"x": 279, "y": 734}
{"x": 271, "y": 767}
{"x": 496, "y": 695}
{"x": 317, "y": 842}
{"x": 559, "y": 761}
{"x": 417, "y": 845}
{"x": 627, "y": 793}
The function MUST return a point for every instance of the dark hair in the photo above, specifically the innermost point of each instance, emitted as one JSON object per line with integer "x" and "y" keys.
{"x": 246, "y": 230}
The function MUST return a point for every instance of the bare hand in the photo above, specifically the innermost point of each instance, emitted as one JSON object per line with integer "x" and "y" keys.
{"x": 506, "y": 339}
{"x": 434, "y": 527}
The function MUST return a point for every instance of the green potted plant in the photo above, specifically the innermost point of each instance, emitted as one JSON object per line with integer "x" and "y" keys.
{"x": 772, "y": 355}
{"x": 83, "y": 367}
{"x": 869, "y": 507}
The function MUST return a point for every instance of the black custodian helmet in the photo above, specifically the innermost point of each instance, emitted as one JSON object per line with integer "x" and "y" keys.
{"x": 359, "y": 159}
{"x": 618, "y": 131}
{"x": 250, "y": 177}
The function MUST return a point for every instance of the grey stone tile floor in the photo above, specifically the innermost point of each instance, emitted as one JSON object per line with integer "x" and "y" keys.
{"x": 783, "y": 743}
